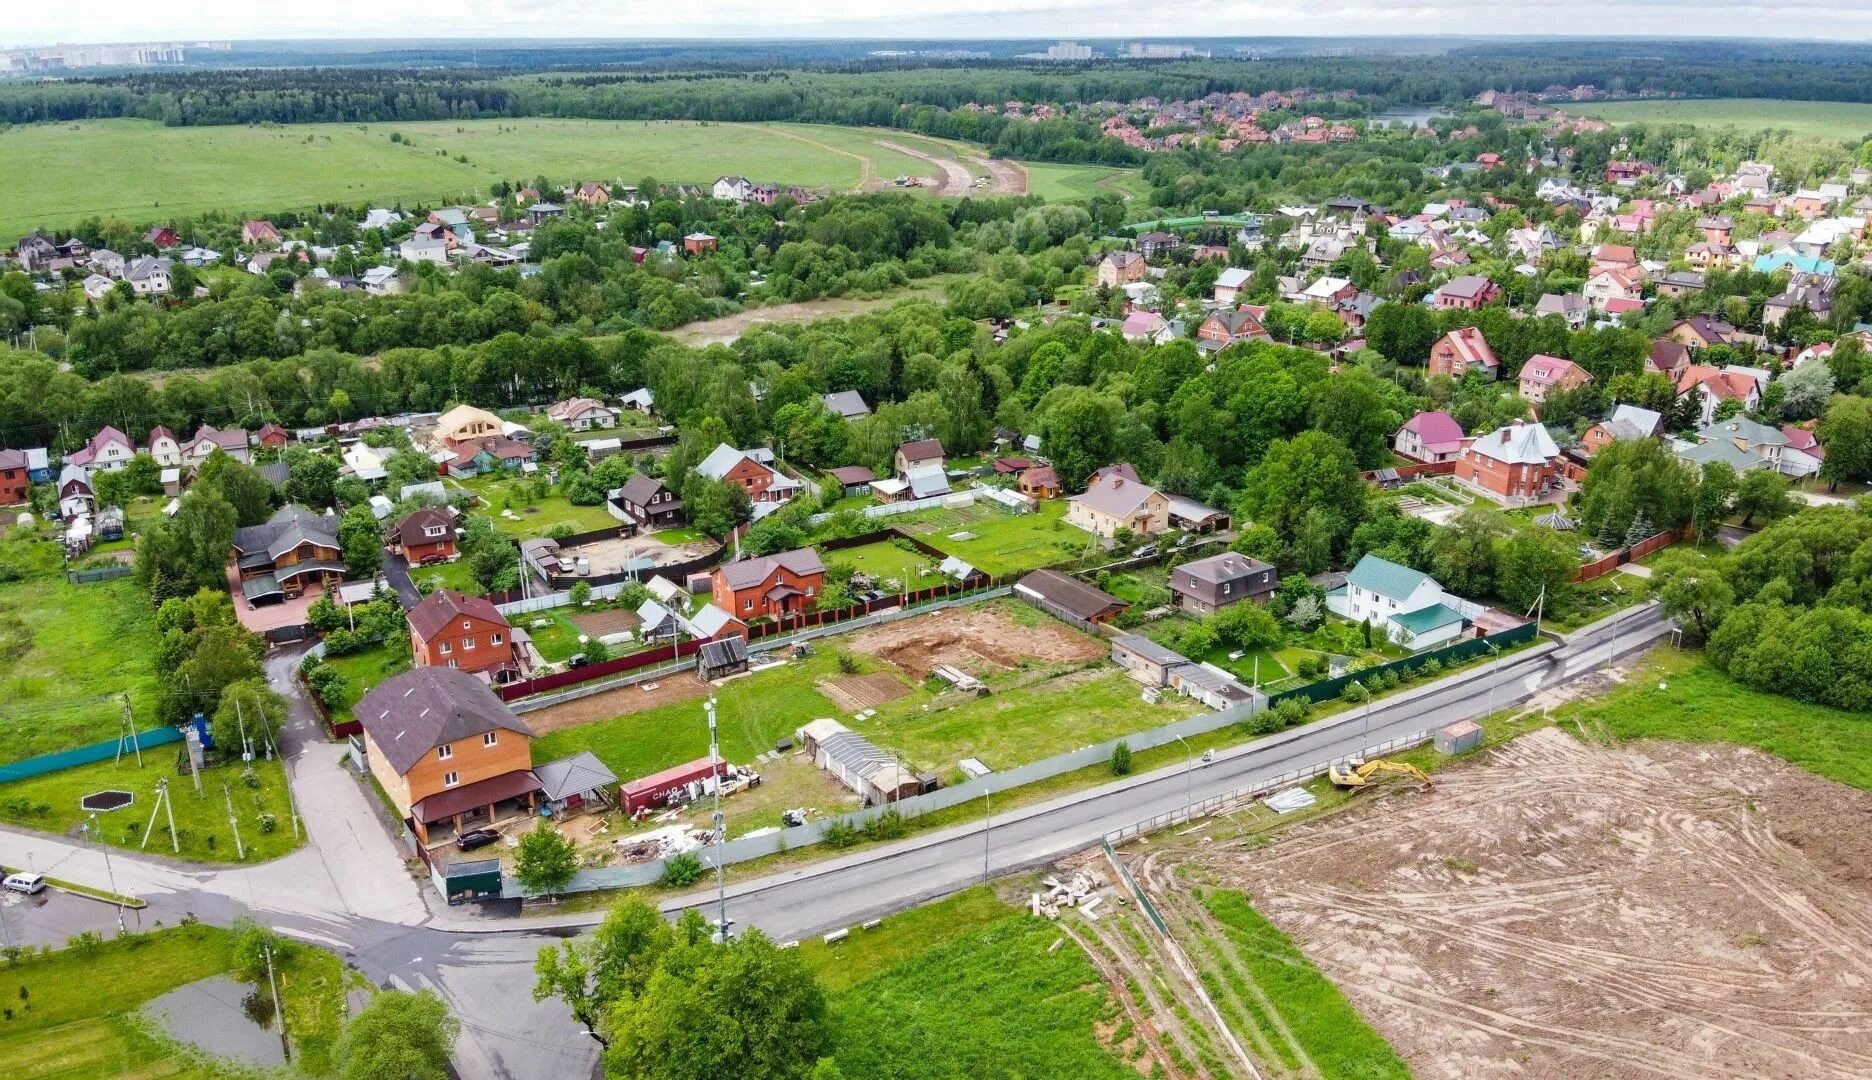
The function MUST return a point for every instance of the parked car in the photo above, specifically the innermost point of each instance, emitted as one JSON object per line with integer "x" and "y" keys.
{"x": 479, "y": 838}
{"x": 24, "y": 883}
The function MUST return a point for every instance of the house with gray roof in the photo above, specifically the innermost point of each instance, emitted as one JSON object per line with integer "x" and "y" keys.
{"x": 1205, "y": 586}
{"x": 573, "y": 783}
{"x": 293, "y": 551}
{"x": 849, "y": 404}
{"x": 1742, "y": 443}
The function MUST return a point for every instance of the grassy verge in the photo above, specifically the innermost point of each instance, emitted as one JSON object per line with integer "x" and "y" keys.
{"x": 1676, "y": 694}
{"x": 201, "y": 821}
{"x": 96, "y": 894}
{"x": 71, "y": 1013}
{"x": 1322, "y": 1021}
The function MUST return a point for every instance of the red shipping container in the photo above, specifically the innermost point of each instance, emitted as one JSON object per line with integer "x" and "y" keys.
{"x": 654, "y": 790}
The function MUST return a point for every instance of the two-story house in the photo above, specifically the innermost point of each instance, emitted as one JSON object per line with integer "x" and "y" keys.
{"x": 164, "y": 447}
{"x": 1116, "y": 499}
{"x": 1515, "y": 465}
{"x": 1408, "y": 605}
{"x": 1543, "y": 373}
{"x": 1461, "y": 351}
{"x": 446, "y": 750}
{"x": 1225, "y": 328}
{"x": 1430, "y": 437}
{"x": 749, "y": 471}
{"x": 455, "y": 630}
{"x": 231, "y": 441}
{"x": 772, "y": 586}
{"x": 1614, "y": 287}
{"x": 426, "y": 535}
{"x": 1626, "y": 422}
{"x": 1207, "y": 585}
{"x": 1468, "y": 292}
{"x": 293, "y": 552}
{"x": 647, "y": 502}
{"x": 15, "y": 478}
{"x": 918, "y": 454}
{"x": 74, "y": 491}
{"x": 108, "y": 451}
{"x": 1121, "y": 268}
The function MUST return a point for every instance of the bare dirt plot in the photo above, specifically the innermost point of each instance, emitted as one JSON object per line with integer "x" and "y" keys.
{"x": 1561, "y": 909}
{"x": 600, "y": 623}
{"x": 1005, "y": 177}
{"x": 682, "y": 686}
{"x": 980, "y": 640}
{"x": 864, "y": 691}
{"x": 957, "y": 181}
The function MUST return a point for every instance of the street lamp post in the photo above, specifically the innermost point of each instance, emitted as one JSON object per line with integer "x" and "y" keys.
{"x": 721, "y": 829}
{"x": 987, "y": 818}
{"x": 1365, "y": 724}
{"x": 1491, "y": 686}
{"x": 1189, "y": 771}
{"x": 109, "y": 875}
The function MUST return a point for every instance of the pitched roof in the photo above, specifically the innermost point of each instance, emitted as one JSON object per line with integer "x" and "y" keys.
{"x": 1427, "y": 618}
{"x": 574, "y": 775}
{"x": 411, "y": 530}
{"x": 640, "y": 489}
{"x": 410, "y": 714}
{"x": 1386, "y": 578}
{"x": 1435, "y": 428}
{"x": 1547, "y": 370}
{"x": 1465, "y": 287}
{"x": 1069, "y": 593}
{"x": 801, "y": 562}
{"x": 289, "y": 527}
{"x": 848, "y": 475}
{"x": 921, "y": 449}
{"x": 721, "y": 461}
{"x": 1225, "y": 567}
{"x": 1113, "y": 493}
{"x": 846, "y": 403}
{"x": 1148, "y": 649}
{"x": 1471, "y": 347}
{"x": 443, "y": 606}
{"x": 1517, "y": 444}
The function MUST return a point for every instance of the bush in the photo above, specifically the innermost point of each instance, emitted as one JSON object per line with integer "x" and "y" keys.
{"x": 682, "y": 869}
{"x": 888, "y": 825}
{"x": 1121, "y": 759}
{"x": 1292, "y": 711}
{"x": 840, "y": 833}
{"x": 1312, "y": 667}
{"x": 846, "y": 664}
{"x": 268, "y": 823}
{"x": 1430, "y": 668}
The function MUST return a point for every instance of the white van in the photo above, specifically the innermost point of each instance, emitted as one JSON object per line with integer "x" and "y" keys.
{"x": 24, "y": 883}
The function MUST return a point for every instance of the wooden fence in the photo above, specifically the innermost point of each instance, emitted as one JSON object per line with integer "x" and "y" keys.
{"x": 1607, "y": 563}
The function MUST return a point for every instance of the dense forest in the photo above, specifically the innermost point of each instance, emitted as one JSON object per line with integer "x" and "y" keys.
{"x": 353, "y": 95}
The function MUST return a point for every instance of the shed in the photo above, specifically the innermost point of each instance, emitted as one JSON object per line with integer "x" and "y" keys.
{"x": 727, "y": 656}
{"x": 1067, "y": 598}
{"x": 1145, "y": 660}
{"x": 856, "y": 763}
{"x": 571, "y": 783}
{"x": 1457, "y": 737}
{"x": 471, "y": 880}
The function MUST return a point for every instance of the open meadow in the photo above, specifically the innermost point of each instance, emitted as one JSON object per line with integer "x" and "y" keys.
{"x": 1839, "y": 120}
{"x": 262, "y": 168}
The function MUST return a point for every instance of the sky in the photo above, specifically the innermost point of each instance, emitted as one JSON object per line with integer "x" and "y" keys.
{"x": 128, "y": 21}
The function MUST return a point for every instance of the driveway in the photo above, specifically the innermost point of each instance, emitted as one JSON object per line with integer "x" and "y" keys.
{"x": 396, "y": 572}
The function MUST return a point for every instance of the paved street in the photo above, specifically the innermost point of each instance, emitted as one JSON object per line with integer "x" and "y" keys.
{"x": 350, "y": 889}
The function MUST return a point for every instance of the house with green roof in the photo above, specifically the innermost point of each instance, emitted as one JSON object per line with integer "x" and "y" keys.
{"x": 1409, "y": 605}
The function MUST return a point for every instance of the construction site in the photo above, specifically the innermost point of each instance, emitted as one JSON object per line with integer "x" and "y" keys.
{"x": 1552, "y": 905}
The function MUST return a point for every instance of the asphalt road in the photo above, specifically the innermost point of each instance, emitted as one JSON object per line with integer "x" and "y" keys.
{"x": 855, "y": 888}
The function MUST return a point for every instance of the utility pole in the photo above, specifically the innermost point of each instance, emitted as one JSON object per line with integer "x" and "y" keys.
{"x": 721, "y": 828}
{"x": 240, "y": 852}
{"x": 162, "y": 803}
{"x": 1491, "y": 686}
{"x": 109, "y": 874}
{"x": 1189, "y": 775}
{"x": 285, "y": 1043}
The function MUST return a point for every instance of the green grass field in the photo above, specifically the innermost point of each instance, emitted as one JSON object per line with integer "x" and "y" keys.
{"x": 533, "y": 517}
{"x": 202, "y": 822}
{"x": 955, "y": 991}
{"x": 1817, "y": 119}
{"x": 1060, "y": 183}
{"x": 262, "y": 168}
{"x": 886, "y": 561}
{"x": 66, "y": 647}
{"x": 81, "y": 1022}
{"x": 363, "y": 670}
{"x": 1701, "y": 704}
{"x": 1003, "y": 543}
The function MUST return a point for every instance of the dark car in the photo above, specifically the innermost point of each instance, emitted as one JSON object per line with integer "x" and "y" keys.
{"x": 476, "y": 839}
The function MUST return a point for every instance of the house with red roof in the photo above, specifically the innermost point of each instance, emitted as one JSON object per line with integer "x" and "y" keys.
{"x": 1429, "y": 437}
{"x": 108, "y": 451}
{"x": 1713, "y": 386}
{"x": 451, "y": 629}
{"x": 1543, "y": 373}
{"x": 1803, "y": 455}
{"x": 1462, "y": 350}
{"x": 1622, "y": 283}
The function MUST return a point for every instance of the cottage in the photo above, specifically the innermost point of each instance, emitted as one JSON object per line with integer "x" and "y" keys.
{"x": 75, "y": 493}
{"x": 1120, "y": 268}
{"x": 1409, "y": 605}
{"x": 772, "y": 586}
{"x": 919, "y": 454}
{"x": 1710, "y": 387}
{"x": 445, "y": 749}
{"x": 206, "y": 440}
{"x": 572, "y": 784}
{"x": 1115, "y": 499}
{"x": 582, "y": 414}
{"x": 455, "y": 630}
{"x": 1429, "y": 437}
{"x": 1230, "y": 284}
{"x": 1461, "y": 351}
{"x": 1542, "y": 374}
{"x": 15, "y": 478}
{"x": 1468, "y": 292}
{"x": 849, "y": 404}
{"x": 260, "y": 234}
{"x": 108, "y": 451}
{"x": 495, "y": 453}
{"x": 1515, "y": 465}
{"x": 745, "y": 469}
{"x": 1225, "y": 328}
{"x": 294, "y": 552}
{"x": 699, "y": 243}
{"x": 648, "y": 503}
{"x": 592, "y": 194}
{"x": 1205, "y": 586}
{"x": 1041, "y": 482}
{"x": 1626, "y": 422}
{"x": 853, "y": 480}
{"x": 426, "y": 536}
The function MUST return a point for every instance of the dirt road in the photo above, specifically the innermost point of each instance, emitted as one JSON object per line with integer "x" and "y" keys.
{"x": 957, "y": 181}
{"x": 1565, "y": 908}
{"x": 1005, "y": 177}
{"x": 725, "y": 330}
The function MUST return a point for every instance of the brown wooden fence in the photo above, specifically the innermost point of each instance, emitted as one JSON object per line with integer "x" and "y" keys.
{"x": 1649, "y": 545}
{"x": 1411, "y": 472}
{"x": 338, "y": 730}
{"x": 618, "y": 665}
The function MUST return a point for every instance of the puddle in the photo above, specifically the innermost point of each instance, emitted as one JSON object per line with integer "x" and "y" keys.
{"x": 222, "y": 1017}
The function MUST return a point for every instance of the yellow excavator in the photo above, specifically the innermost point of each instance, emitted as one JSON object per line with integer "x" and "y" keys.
{"x": 1358, "y": 774}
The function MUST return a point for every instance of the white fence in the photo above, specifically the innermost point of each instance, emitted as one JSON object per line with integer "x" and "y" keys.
{"x": 558, "y": 599}
{"x": 910, "y": 506}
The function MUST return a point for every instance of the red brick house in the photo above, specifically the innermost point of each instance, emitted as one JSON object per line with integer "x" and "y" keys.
{"x": 1461, "y": 350}
{"x": 773, "y": 586}
{"x": 697, "y": 243}
{"x": 1225, "y": 328}
{"x": 1515, "y": 465}
{"x": 451, "y": 629}
{"x": 15, "y": 483}
{"x": 1468, "y": 292}
{"x": 426, "y": 535}
{"x": 260, "y": 234}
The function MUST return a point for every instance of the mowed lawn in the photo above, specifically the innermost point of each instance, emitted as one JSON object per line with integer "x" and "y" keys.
{"x": 533, "y": 517}
{"x": 1003, "y": 543}
{"x": 184, "y": 171}
{"x": 65, "y": 648}
{"x": 886, "y": 561}
{"x": 1817, "y": 119}
{"x": 80, "y": 1024}
{"x": 1061, "y": 183}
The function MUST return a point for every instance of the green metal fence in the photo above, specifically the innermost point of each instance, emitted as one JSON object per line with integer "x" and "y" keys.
{"x": 87, "y": 755}
{"x": 1467, "y": 649}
